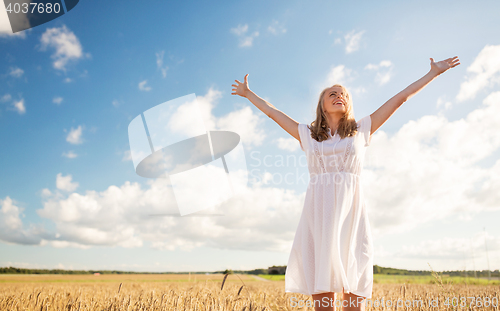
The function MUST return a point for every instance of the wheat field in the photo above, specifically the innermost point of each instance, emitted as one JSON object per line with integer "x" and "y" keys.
{"x": 214, "y": 292}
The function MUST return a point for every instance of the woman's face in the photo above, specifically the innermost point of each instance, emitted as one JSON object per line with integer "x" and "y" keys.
{"x": 335, "y": 101}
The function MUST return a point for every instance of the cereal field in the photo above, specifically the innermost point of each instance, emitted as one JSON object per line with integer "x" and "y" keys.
{"x": 203, "y": 292}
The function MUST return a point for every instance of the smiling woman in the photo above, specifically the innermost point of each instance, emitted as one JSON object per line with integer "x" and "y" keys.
{"x": 332, "y": 251}
{"x": 334, "y": 113}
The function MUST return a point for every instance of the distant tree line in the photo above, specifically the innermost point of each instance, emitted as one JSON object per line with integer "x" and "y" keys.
{"x": 12, "y": 270}
{"x": 270, "y": 270}
{"x": 470, "y": 273}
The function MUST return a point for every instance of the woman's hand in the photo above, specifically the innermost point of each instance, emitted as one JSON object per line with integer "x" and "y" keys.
{"x": 440, "y": 67}
{"x": 242, "y": 88}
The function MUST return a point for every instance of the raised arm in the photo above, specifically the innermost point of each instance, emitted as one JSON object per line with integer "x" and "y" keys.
{"x": 287, "y": 123}
{"x": 386, "y": 110}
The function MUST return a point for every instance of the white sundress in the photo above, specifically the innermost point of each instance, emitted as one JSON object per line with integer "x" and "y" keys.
{"x": 332, "y": 249}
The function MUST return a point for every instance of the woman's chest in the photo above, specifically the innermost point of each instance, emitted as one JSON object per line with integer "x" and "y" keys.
{"x": 334, "y": 146}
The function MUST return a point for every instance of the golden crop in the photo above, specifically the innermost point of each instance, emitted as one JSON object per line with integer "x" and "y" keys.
{"x": 207, "y": 292}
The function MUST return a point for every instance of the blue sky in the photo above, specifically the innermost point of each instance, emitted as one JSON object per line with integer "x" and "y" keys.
{"x": 70, "y": 87}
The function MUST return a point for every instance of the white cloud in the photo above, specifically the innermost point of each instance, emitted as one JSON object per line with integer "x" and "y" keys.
{"x": 288, "y": 144}
{"x": 246, "y": 123}
{"x": 67, "y": 80}
{"x": 352, "y": 40}
{"x": 66, "y": 45}
{"x": 5, "y": 98}
{"x": 263, "y": 219}
{"x": 115, "y": 103}
{"x": 64, "y": 183}
{"x": 57, "y": 100}
{"x": 245, "y": 40}
{"x": 450, "y": 248}
{"x": 384, "y": 63}
{"x": 16, "y": 72}
{"x": 75, "y": 135}
{"x": 240, "y": 30}
{"x": 19, "y": 106}
{"x": 483, "y": 72}
{"x": 11, "y": 225}
{"x": 159, "y": 63}
{"x": 46, "y": 192}
{"x": 384, "y": 71}
{"x": 444, "y": 253}
{"x": 127, "y": 156}
{"x": 242, "y": 121}
{"x": 339, "y": 74}
{"x": 70, "y": 154}
{"x": 143, "y": 87}
{"x": 442, "y": 102}
{"x": 434, "y": 158}
{"x": 276, "y": 28}
{"x": 429, "y": 170}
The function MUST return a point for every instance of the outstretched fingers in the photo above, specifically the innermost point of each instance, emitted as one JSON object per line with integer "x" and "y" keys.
{"x": 455, "y": 62}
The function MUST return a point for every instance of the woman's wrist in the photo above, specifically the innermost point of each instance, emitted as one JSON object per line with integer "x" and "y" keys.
{"x": 433, "y": 72}
{"x": 247, "y": 92}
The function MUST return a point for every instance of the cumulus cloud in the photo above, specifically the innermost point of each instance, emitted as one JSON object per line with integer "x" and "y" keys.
{"x": 75, "y": 135}
{"x": 436, "y": 161}
{"x": 19, "y": 106}
{"x": 352, "y": 41}
{"x": 65, "y": 183}
{"x": 6, "y": 98}
{"x": 450, "y": 248}
{"x": 241, "y": 33}
{"x": 276, "y": 28}
{"x": 143, "y": 86}
{"x": 16, "y": 72}
{"x": 240, "y": 30}
{"x": 384, "y": 71}
{"x": 429, "y": 170}
{"x": 159, "y": 63}
{"x": 127, "y": 156}
{"x": 66, "y": 46}
{"x": 70, "y": 154}
{"x": 444, "y": 253}
{"x": 11, "y": 225}
{"x": 288, "y": 144}
{"x": 441, "y": 102}
{"x": 263, "y": 218}
{"x": 482, "y": 73}
{"x": 57, "y": 100}
{"x": 340, "y": 74}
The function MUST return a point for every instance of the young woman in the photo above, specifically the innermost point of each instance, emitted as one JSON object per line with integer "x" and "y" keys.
{"x": 332, "y": 250}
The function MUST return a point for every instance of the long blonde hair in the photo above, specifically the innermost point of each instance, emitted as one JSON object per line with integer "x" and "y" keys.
{"x": 347, "y": 124}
